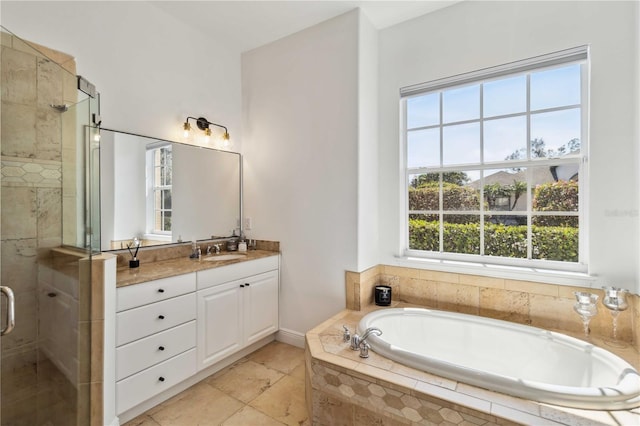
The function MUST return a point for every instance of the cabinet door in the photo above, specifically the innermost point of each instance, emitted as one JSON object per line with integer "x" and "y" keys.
{"x": 260, "y": 297}
{"x": 219, "y": 322}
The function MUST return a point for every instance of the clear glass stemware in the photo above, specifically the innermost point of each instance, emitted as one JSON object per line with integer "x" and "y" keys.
{"x": 587, "y": 307}
{"x": 615, "y": 300}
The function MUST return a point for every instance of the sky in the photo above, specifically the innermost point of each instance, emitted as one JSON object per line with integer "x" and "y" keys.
{"x": 504, "y": 109}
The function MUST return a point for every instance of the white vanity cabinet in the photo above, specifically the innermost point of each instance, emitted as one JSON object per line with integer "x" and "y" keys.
{"x": 237, "y": 306}
{"x": 155, "y": 338}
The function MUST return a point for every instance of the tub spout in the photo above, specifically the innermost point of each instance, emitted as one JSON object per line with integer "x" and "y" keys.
{"x": 356, "y": 340}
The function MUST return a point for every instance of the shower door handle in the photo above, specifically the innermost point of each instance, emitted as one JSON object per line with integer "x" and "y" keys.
{"x": 11, "y": 315}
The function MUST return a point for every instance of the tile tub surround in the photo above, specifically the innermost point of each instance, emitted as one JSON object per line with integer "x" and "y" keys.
{"x": 341, "y": 385}
{"x": 540, "y": 305}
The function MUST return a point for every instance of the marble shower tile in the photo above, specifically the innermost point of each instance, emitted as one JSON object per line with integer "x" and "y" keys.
{"x": 49, "y": 83}
{"x": 18, "y": 130}
{"x": 22, "y": 276}
{"x": 18, "y": 77}
{"x": 48, "y": 134}
{"x": 49, "y": 213}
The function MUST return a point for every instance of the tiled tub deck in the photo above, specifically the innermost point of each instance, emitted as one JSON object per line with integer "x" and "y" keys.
{"x": 344, "y": 389}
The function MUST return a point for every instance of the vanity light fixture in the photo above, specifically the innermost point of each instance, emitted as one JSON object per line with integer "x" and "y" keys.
{"x": 203, "y": 124}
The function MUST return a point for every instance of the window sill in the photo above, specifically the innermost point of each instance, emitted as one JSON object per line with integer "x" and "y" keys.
{"x": 547, "y": 276}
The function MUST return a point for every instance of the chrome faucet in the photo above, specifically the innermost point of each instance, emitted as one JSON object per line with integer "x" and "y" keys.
{"x": 346, "y": 334}
{"x": 215, "y": 248}
{"x": 356, "y": 340}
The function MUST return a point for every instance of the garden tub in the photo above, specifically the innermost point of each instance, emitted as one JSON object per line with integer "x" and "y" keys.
{"x": 514, "y": 359}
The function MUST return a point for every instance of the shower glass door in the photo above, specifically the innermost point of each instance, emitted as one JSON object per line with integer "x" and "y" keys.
{"x": 45, "y": 360}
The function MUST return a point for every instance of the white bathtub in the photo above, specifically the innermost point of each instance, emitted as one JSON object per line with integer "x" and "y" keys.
{"x": 515, "y": 359}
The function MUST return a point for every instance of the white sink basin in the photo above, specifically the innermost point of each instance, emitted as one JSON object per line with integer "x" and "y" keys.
{"x": 218, "y": 257}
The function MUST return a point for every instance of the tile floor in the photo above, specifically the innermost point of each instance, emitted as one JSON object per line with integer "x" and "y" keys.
{"x": 263, "y": 388}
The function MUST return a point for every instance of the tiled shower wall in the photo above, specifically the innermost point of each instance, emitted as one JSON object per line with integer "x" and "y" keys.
{"x": 31, "y": 198}
{"x": 540, "y": 305}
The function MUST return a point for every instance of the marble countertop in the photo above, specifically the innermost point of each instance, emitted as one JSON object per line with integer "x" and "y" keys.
{"x": 148, "y": 271}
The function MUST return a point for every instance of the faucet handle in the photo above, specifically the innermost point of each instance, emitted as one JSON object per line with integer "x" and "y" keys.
{"x": 364, "y": 350}
{"x": 346, "y": 334}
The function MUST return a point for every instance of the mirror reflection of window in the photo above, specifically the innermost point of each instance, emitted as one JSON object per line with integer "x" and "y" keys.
{"x": 159, "y": 162}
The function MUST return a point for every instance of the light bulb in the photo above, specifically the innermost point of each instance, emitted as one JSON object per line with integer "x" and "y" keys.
{"x": 186, "y": 129}
{"x": 207, "y": 135}
{"x": 225, "y": 140}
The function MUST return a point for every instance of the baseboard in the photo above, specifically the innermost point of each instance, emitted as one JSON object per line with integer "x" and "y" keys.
{"x": 290, "y": 337}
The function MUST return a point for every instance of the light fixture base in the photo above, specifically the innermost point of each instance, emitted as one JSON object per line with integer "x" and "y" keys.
{"x": 202, "y": 123}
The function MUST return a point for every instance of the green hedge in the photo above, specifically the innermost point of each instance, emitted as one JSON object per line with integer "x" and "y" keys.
{"x": 549, "y": 242}
{"x": 454, "y": 197}
{"x": 561, "y": 196}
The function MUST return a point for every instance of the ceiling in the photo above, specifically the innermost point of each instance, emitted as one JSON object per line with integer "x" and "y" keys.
{"x": 250, "y": 24}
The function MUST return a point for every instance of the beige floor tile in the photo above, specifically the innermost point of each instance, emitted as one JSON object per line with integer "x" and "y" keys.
{"x": 201, "y": 404}
{"x": 284, "y": 401}
{"x": 250, "y": 416}
{"x": 298, "y": 372}
{"x": 279, "y": 356}
{"x": 246, "y": 381}
{"x": 142, "y": 420}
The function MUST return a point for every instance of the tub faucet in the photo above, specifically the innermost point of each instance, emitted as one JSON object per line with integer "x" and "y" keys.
{"x": 357, "y": 340}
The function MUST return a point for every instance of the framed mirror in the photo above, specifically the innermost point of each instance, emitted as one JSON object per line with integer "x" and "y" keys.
{"x": 164, "y": 192}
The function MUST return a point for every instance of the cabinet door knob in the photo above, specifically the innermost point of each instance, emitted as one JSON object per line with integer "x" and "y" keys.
{"x": 161, "y": 290}
{"x": 161, "y": 379}
{"x": 161, "y": 348}
{"x": 161, "y": 316}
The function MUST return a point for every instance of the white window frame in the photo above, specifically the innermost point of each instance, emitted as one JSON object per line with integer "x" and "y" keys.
{"x": 152, "y": 232}
{"x": 562, "y": 58}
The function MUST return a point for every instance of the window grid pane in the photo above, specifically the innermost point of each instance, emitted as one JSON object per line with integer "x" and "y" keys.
{"x": 499, "y": 210}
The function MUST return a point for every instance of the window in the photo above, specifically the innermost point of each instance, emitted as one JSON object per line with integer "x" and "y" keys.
{"x": 494, "y": 164}
{"x": 159, "y": 180}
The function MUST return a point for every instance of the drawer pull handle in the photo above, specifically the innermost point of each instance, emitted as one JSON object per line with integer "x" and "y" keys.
{"x": 161, "y": 379}
{"x": 161, "y": 290}
{"x": 161, "y": 348}
{"x": 241, "y": 285}
{"x": 161, "y": 316}
{"x": 247, "y": 284}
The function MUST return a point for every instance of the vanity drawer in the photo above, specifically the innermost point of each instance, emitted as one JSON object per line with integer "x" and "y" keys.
{"x": 137, "y": 323}
{"x": 136, "y": 356}
{"x": 136, "y": 295}
{"x": 138, "y": 388}
{"x": 236, "y": 271}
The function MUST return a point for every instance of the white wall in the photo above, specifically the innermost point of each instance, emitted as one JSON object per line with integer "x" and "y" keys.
{"x": 300, "y": 115}
{"x": 152, "y": 71}
{"x": 367, "y": 145}
{"x": 473, "y": 35}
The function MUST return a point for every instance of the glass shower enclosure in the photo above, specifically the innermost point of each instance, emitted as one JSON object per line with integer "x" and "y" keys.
{"x": 48, "y": 144}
